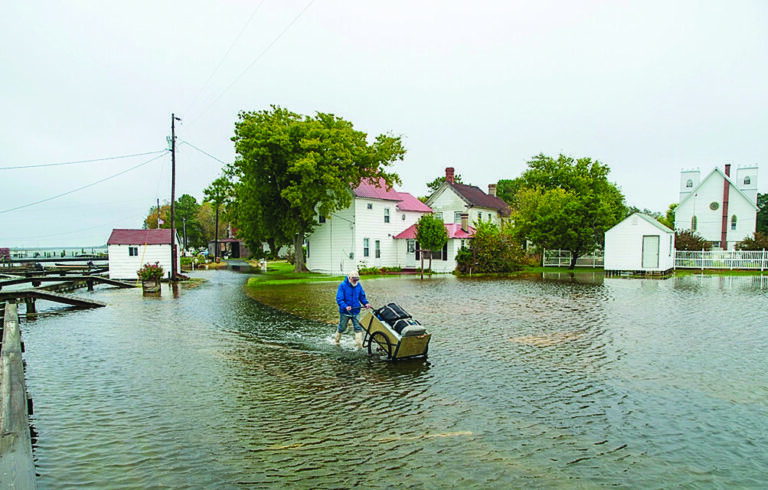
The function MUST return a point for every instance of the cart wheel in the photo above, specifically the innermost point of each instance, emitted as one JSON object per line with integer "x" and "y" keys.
{"x": 379, "y": 340}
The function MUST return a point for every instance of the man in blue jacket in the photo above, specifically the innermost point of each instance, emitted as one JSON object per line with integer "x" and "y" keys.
{"x": 349, "y": 297}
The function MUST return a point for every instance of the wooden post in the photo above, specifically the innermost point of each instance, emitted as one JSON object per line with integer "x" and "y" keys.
{"x": 30, "y": 302}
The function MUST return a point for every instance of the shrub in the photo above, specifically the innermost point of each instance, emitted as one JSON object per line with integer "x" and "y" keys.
{"x": 690, "y": 240}
{"x": 758, "y": 242}
{"x": 491, "y": 250}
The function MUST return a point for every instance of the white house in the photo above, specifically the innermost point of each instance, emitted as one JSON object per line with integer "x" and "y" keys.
{"x": 720, "y": 208}
{"x": 443, "y": 260}
{"x": 362, "y": 235}
{"x": 129, "y": 250}
{"x": 452, "y": 199}
{"x": 639, "y": 244}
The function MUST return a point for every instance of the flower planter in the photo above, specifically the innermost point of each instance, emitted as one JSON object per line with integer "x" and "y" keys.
{"x": 150, "y": 286}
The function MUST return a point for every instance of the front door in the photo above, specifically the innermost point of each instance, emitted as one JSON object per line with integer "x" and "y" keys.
{"x": 410, "y": 254}
{"x": 651, "y": 251}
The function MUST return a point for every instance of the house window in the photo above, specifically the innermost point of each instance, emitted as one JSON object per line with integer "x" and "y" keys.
{"x": 747, "y": 180}
{"x": 366, "y": 247}
{"x": 321, "y": 219}
{"x": 689, "y": 183}
{"x": 377, "y": 249}
{"x": 733, "y": 222}
{"x": 386, "y": 215}
{"x": 411, "y": 246}
{"x": 457, "y": 216}
{"x": 307, "y": 249}
{"x": 403, "y": 216}
{"x": 133, "y": 251}
{"x": 694, "y": 222}
{"x": 439, "y": 215}
{"x": 369, "y": 205}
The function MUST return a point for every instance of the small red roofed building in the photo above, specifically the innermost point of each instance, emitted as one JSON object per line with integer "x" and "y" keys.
{"x": 130, "y": 249}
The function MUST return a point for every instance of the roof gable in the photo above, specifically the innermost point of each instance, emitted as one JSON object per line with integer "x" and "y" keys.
{"x": 161, "y": 236}
{"x": 710, "y": 176}
{"x": 649, "y": 219}
{"x": 473, "y": 196}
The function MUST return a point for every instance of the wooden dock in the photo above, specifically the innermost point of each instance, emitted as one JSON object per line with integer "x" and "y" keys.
{"x": 88, "y": 280}
{"x": 17, "y": 467}
{"x": 30, "y": 295}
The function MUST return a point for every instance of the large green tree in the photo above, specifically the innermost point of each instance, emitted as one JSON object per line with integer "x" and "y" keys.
{"x": 568, "y": 204}
{"x": 290, "y": 169}
{"x": 431, "y": 235}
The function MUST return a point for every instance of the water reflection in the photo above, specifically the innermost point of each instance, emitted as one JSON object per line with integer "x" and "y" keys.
{"x": 557, "y": 381}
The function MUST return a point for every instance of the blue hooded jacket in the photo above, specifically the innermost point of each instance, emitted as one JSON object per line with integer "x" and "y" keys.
{"x": 349, "y": 295}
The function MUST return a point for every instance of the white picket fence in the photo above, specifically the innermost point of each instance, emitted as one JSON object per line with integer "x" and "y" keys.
{"x": 722, "y": 259}
{"x": 562, "y": 258}
{"x": 684, "y": 259}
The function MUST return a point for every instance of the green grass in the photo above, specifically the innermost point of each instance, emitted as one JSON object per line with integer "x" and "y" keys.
{"x": 281, "y": 272}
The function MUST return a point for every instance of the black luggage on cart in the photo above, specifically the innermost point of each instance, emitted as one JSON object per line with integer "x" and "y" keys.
{"x": 395, "y": 316}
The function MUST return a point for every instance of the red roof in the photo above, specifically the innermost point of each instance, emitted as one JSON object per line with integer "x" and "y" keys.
{"x": 161, "y": 236}
{"x": 405, "y": 202}
{"x": 453, "y": 229}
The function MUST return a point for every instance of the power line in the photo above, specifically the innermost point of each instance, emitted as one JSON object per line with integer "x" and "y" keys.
{"x": 232, "y": 45}
{"x": 258, "y": 57}
{"x": 203, "y": 152}
{"x": 81, "y": 161}
{"x": 82, "y": 187}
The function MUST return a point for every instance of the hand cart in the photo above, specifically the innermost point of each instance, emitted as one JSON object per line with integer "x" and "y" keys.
{"x": 382, "y": 337}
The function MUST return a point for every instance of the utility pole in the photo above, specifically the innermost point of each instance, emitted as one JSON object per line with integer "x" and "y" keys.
{"x": 184, "y": 224}
{"x": 174, "y": 272}
{"x": 158, "y": 213}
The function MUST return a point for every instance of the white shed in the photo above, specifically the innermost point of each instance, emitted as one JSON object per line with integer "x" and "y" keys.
{"x": 639, "y": 244}
{"x": 130, "y": 249}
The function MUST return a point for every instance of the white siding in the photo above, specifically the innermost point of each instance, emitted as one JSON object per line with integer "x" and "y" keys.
{"x": 710, "y": 221}
{"x": 332, "y": 243}
{"x": 336, "y": 246}
{"x": 624, "y": 245}
{"x": 448, "y": 202}
{"x": 123, "y": 266}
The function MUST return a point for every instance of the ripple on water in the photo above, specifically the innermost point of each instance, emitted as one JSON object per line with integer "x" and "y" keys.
{"x": 545, "y": 382}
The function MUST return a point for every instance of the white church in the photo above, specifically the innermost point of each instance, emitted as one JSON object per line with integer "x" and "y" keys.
{"x": 720, "y": 207}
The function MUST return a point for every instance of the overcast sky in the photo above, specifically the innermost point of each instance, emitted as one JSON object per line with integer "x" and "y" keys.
{"x": 646, "y": 87}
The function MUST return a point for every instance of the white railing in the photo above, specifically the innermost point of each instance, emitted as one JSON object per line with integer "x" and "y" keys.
{"x": 722, "y": 259}
{"x": 562, "y": 258}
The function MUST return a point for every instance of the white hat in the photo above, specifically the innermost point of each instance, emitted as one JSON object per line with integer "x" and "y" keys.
{"x": 353, "y": 275}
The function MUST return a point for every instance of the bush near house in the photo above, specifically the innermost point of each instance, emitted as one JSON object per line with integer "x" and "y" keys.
{"x": 690, "y": 240}
{"x": 491, "y": 250}
{"x": 758, "y": 242}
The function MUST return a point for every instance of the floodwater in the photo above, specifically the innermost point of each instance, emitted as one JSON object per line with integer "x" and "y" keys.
{"x": 556, "y": 381}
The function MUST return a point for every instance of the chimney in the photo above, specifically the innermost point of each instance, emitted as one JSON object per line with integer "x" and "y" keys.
{"x": 727, "y": 169}
{"x": 492, "y": 190}
{"x": 465, "y": 222}
{"x": 449, "y": 175}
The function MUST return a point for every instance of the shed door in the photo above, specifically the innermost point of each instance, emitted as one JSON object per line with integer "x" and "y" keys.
{"x": 651, "y": 251}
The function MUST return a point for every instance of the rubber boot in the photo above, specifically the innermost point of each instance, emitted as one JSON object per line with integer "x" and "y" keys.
{"x": 337, "y": 338}
{"x": 359, "y": 339}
